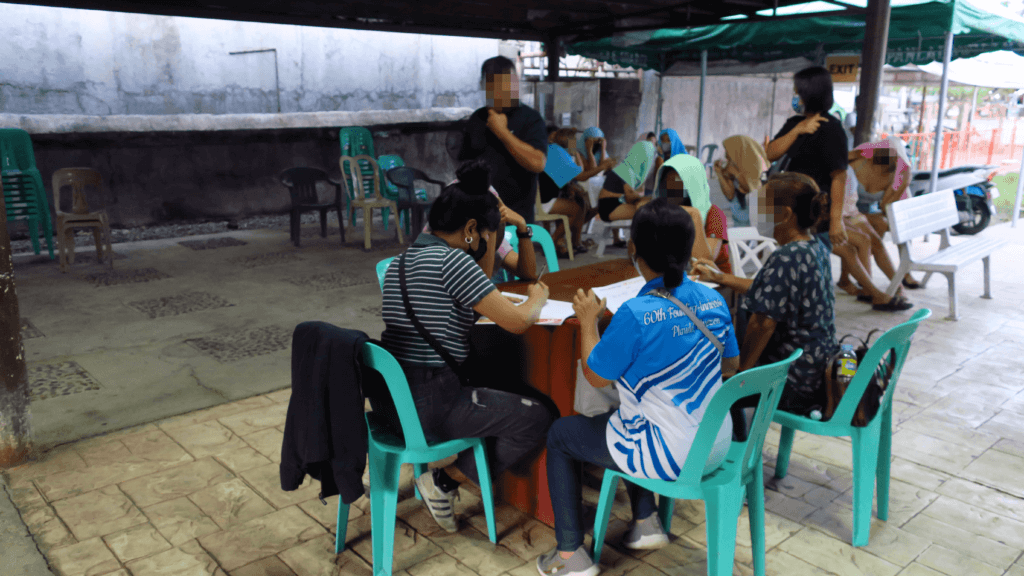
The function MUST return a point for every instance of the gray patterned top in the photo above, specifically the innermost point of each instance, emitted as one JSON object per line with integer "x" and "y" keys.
{"x": 794, "y": 288}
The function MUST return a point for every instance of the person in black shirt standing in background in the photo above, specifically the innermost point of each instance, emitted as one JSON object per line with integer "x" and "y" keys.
{"x": 822, "y": 152}
{"x": 509, "y": 137}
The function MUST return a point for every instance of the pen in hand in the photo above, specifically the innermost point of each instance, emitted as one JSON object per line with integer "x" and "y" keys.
{"x": 543, "y": 269}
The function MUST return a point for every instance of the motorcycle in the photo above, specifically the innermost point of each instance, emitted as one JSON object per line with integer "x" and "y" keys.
{"x": 973, "y": 191}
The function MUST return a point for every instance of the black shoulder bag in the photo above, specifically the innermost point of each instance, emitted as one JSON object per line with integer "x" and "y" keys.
{"x": 461, "y": 372}
{"x": 782, "y": 164}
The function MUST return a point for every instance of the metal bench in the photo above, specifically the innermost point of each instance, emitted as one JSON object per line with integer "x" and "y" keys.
{"x": 923, "y": 215}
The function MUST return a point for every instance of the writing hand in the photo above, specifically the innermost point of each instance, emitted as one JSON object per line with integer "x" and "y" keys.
{"x": 587, "y": 306}
{"x": 706, "y": 271}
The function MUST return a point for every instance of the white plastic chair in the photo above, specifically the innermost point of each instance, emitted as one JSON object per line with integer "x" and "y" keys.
{"x": 746, "y": 246}
{"x": 541, "y": 216}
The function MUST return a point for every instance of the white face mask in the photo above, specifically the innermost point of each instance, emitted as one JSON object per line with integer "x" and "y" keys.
{"x": 636, "y": 264}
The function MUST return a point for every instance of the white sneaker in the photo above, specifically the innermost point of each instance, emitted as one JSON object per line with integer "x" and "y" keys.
{"x": 441, "y": 504}
{"x": 646, "y": 534}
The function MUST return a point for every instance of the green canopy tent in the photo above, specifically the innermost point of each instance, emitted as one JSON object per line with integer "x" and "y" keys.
{"x": 918, "y": 34}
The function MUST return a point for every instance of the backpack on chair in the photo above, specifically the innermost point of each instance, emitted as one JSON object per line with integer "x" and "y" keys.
{"x": 871, "y": 401}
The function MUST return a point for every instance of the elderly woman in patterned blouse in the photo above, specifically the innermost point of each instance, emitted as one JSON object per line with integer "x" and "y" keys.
{"x": 791, "y": 301}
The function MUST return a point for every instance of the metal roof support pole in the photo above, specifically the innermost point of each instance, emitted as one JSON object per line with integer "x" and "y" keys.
{"x": 1020, "y": 190}
{"x": 876, "y": 37}
{"x": 661, "y": 100}
{"x": 947, "y": 55}
{"x": 15, "y": 432}
{"x": 553, "y": 50}
{"x": 700, "y": 105}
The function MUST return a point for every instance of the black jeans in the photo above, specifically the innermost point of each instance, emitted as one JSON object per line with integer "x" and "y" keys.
{"x": 514, "y": 424}
{"x": 572, "y": 441}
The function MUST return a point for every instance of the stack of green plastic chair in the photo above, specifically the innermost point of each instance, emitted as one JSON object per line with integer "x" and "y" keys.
{"x": 872, "y": 444}
{"x": 390, "y": 191}
{"x": 24, "y": 194}
{"x": 392, "y": 444}
{"x": 356, "y": 141}
{"x": 722, "y": 489}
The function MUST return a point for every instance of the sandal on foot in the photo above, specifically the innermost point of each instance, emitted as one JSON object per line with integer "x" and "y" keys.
{"x": 864, "y": 298}
{"x": 913, "y": 285}
{"x": 897, "y": 304}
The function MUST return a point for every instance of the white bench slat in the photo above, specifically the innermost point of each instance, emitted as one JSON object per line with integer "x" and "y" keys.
{"x": 954, "y": 257}
{"x": 914, "y": 217}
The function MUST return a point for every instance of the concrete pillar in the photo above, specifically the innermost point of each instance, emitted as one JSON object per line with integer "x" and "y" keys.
{"x": 15, "y": 434}
{"x": 876, "y": 37}
{"x": 554, "y": 49}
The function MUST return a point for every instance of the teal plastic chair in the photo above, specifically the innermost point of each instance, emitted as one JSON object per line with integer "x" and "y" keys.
{"x": 389, "y": 450}
{"x": 723, "y": 489}
{"x": 540, "y": 236}
{"x": 24, "y": 195}
{"x": 382, "y": 269}
{"x": 872, "y": 444}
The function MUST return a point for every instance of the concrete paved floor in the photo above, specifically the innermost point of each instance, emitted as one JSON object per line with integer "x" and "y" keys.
{"x": 117, "y": 503}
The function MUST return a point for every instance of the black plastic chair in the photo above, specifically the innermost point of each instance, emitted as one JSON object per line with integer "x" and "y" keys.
{"x": 301, "y": 183}
{"x": 403, "y": 177}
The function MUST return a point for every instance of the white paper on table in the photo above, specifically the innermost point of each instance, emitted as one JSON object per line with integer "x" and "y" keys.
{"x": 618, "y": 293}
{"x": 554, "y": 312}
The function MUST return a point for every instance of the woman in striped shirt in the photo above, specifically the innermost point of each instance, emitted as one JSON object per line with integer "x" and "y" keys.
{"x": 447, "y": 277}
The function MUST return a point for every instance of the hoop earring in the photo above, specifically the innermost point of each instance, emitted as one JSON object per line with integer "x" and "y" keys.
{"x": 469, "y": 240}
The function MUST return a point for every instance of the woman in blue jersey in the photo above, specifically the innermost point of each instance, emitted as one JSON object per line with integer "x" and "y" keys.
{"x": 666, "y": 369}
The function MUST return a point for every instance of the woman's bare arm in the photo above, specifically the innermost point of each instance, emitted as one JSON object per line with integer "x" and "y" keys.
{"x": 759, "y": 331}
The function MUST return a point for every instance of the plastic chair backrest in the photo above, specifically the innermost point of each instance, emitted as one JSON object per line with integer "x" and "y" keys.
{"x": 16, "y": 150}
{"x": 358, "y": 186}
{"x": 404, "y": 178}
{"x": 708, "y": 151}
{"x": 382, "y": 269}
{"x": 301, "y": 182}
{"x": 386, "y": 163}
{"x": 379, "y": 359}
{"x": 767, "y": 381}
{"x": 357, "y": 141}
{"x": 896, "y": 341}
{"x": 77, "y": 179}
{"x": 540, "y": 236}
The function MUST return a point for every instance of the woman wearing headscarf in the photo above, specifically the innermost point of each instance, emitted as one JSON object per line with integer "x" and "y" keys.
{"x": 622, "y": 192}
{"x": 669, "y": 145}
{"x": 593, "y": 148}
{"x": 572, "y": 200}
{"x": 739, "y": 174}
{"x": 684, "y": 182}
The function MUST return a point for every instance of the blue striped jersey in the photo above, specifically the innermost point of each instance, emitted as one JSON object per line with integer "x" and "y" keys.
{"x": 666, "y": 371}
{"x": 444, "y": 285}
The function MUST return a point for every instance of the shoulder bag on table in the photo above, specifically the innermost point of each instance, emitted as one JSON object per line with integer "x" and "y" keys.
{"x": 459, "y": 370}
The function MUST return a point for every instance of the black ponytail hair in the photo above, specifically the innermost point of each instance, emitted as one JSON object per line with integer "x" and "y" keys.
{"x": 468, "y": 199}
{"x": 800, "y": 193}
{"x": 663, "y": 234}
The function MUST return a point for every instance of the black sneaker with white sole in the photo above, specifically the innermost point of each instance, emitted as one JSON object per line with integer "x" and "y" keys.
{"x": 440, "y": 503}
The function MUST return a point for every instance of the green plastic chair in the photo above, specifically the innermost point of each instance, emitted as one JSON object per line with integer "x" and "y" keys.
{"x": 388, "y": 451}
{"x": 723, "y": 489}
{"x": 24, "y": 195}
{"x": 358, "y": 141}
{"x": 382, "y": 269}
{"x": 872, "y": 444}
{"x": 540, "y": 236}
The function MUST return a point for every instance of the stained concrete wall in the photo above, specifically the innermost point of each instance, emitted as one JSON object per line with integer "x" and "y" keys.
{"x": 66, "y": 61}
{"x": 620, "y": 106}
{"x": 155, "y": 177}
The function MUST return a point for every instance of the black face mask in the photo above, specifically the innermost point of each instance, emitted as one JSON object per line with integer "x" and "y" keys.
{"x": 480, "y": 252}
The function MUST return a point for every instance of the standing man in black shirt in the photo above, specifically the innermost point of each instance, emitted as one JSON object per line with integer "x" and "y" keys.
{"x": 510, "y": 137}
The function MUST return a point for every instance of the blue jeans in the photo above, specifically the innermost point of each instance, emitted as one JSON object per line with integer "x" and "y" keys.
{"x": 572, "y": 441}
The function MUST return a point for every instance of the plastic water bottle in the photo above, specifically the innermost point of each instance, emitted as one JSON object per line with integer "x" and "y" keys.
{"x": 815, "y": 414}
{"x": 845, "y": 365}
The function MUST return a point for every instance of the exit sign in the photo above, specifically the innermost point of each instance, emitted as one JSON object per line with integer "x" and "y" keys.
{"x": 843, "y": 68}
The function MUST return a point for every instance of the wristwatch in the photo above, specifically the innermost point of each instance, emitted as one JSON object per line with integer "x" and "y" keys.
{"x": 524, "y": 235}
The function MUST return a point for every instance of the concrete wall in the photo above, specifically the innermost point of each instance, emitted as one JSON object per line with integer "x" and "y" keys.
{"x": 155, "y": 177}
{"x": 620, "y": 109}
{"x": 732, "y": 105}
{"x": 65, "y": 61}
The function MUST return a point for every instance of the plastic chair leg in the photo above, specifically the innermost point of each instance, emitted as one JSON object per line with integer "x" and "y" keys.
{"x": 666, "y": 506}
{"x": 342, "y": 527}
{"x": 33, "y": 232}
{"x": 48, "y": 229}
{"x": 384, "y": 470}
{"x": 486, "y": 491}
{"x": 785, "y": 447}
{"x": 884, "y": 464}
{"x": 341, "y": 225}
{"x": 385, "y": 213}
{"x": 755, "y": 511}
{"x": 865, "y": 461}
{"x": 323, "y": 223}
{"x": 604, "y": 510}
{"x": 722, "y": 510}
{"x": 367, "y": 227}
{"x": 418, "y": 469}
